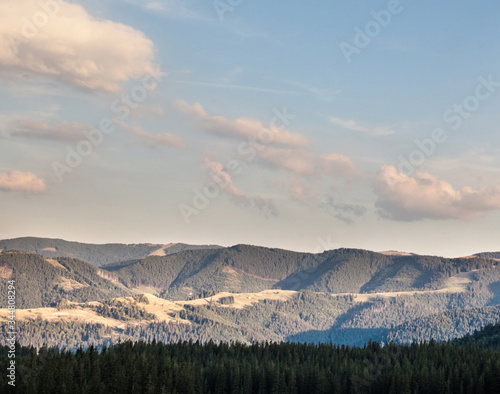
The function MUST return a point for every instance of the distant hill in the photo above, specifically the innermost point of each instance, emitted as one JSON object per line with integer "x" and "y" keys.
{"x": 245, "y": 268}
{"x": 42, "y": 282}
{"x": 97, "y": 254}
{"x": 241, "y": 268}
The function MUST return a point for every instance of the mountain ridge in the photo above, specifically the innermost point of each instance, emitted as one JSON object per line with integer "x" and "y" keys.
{"x": 250, "y": 293}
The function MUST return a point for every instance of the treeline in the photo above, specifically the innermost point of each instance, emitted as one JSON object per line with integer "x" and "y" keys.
{"x": 282, "y": 368}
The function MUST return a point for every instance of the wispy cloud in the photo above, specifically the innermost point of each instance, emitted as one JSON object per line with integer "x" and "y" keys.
{"x": 238, "y": 87}
{"x": 355, "y": 126}
{"x": 151, "y": 140}
{"x": 171, "y": 9}
{"x": 322, "y": 93}
{"x": 215, "y": 170}
{"x": 241, "y": 128}
{"x": 56, "y": 131}
{"x": 304, "y": 163}
{"x": 343, "y": 211}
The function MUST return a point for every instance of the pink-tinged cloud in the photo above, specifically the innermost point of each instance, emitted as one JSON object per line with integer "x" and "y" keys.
{"x": 425, "y": 196}
{"x": 300, "y": 162}
{"x": 304, "y": 163}
{"x": 215, "y": 171}
{"x": 70, "y": 45}
{"x": 243, "y": 128}
{"x": 222, "y": 180}
{"x": 151, "y": 140}
{"x": 18, "y": 181}
{"x": 297, "y": 190}
{"x": 56, "y": 131}
{"x": 338, "y": 166}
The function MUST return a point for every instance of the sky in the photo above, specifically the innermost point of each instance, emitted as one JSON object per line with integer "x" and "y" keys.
{"x": 367, "y": 124}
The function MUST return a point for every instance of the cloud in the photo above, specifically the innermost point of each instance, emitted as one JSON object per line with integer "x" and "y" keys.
{"x": 346, "y": 212}
{"x": 59, "y": 131}
{"x": 425, "y": 196}
{"x": 151, "y": 140}
{"x": 215, "y": 170}
{"x": 300, "y": 162}
{"x": 222, "y": 180}
{"x": 296, "y": 189}
{"x": 355, "y": 126}
{"x": 304, "y": 163}
{"x": 338, "y": 165}
{"x": 71, "y": 46}
{"x": 285, "y": 151}
{"x": 242, "y": 128}
{"x": 21, "y": 182}
{"x": 220, "y": 85}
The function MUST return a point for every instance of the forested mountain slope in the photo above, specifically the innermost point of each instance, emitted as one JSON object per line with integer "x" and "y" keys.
{"x": 244, "y": 268}
{"x": 43, "y": 282}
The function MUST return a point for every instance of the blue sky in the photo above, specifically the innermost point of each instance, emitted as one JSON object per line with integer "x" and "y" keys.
{"x": 370, "y": 124}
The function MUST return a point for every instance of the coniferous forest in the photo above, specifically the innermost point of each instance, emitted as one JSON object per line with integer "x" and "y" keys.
{"x": 188, "y": 367}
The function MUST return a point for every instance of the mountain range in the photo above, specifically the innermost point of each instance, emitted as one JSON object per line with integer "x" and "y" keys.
{"x": 72, "y": 294}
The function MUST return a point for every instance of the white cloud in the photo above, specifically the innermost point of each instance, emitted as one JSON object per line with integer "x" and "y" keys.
{"x": 151, "y": 140}
{"x": 70, "y": 46}
{"x": 355, "y": 126}
{"x": 241, "y": 128}
{"x": 21, "y": 182}
{"x": 425, "y": 196}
